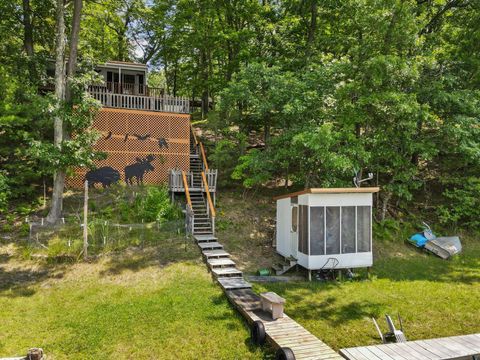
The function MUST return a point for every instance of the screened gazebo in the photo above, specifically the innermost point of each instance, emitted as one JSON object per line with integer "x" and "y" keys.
{"x": 326, "y": 228}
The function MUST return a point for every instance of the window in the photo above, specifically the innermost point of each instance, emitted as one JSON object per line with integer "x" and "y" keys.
{"x": 338, "y": 230}
{"x": 317, "y": 230}
{"x": 333, "y": 230}
{"x": 363, "y": 228}
{"x": 303, "y": 229}
{"x": 348, "y": 229}
{"x": 128, "y": 79}
{"x": 294, "y": 219}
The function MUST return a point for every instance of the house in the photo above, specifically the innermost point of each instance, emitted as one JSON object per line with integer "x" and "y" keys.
{"x": 326, "y": 228}
{"x": 144, "y": 132}
{"x": 125, "y": 77}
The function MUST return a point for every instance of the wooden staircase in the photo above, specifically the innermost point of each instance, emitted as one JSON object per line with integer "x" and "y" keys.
{"x": 202, "y": 223}
{"x": 200, "y": 202}
{"x": 201, "y": 214}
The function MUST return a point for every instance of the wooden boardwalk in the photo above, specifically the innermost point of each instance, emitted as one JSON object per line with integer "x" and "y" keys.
{"x": 283, "y": 332}
{"x": 280, "y": 333}
{"x": 464, "y": 347}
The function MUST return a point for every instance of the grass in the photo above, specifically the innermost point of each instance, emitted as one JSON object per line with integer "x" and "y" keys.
{"x": 157, "y": 302}
{"x": 434, "y": 297}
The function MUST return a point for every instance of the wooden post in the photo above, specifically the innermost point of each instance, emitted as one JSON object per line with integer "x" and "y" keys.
{"x": 85, "y": 223}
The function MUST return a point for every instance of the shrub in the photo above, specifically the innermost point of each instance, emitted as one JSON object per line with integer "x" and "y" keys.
{"x": 151, "y": 205}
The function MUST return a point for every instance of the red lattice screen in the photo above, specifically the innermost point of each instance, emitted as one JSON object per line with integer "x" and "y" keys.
{"x": 130, "y": 134}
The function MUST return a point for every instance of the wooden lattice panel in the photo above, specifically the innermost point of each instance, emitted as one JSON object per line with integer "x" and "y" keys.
{"x": 128, "y": 135}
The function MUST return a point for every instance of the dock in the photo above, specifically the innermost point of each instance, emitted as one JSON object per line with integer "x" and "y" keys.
{"x": 280, "y": 333}
{"x": 464, "y": 347}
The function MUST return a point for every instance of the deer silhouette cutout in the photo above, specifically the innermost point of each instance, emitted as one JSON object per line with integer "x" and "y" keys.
{"x": 138, "y": 170}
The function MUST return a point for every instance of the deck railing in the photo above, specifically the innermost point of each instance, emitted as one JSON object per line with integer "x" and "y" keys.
{"x": 128, "y": 89}
{"x": 165, "y": 103}
{"x": 176, "y": 183}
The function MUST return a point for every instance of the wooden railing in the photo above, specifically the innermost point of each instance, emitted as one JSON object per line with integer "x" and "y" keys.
{"x": 195, "y": 141}
{"x": 204, "y": 158}
{"x": 175, "y": 180}
{"x": 210, "y": 208}
{"x": 128, "y": 89}
{"x": 165, "y": 103}
{"x": 211, "y": 176}
{"x": 189, "y": 216}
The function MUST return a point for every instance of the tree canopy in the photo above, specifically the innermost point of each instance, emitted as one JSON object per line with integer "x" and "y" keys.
{"x": 306, "y": 92}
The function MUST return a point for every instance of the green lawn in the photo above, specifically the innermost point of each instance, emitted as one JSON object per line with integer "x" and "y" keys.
{"x": 139, "y": 305}
{"x": 160, "y": 301}
{"x": 434, "y": 297}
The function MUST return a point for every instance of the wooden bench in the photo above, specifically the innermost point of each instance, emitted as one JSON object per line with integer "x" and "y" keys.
{"x": 272, "y": 303}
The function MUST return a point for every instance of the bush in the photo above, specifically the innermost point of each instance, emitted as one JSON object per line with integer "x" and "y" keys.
{"x": 152, "y": 205}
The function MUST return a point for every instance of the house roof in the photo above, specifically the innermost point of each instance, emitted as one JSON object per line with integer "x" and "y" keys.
{"x": 329, "y": 191}
{"x": 124, "y": 64}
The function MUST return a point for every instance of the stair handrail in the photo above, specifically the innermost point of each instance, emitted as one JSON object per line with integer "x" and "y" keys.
{"x": 189, "y": 218}
{"x": 211, "y": 207}
{"x": 187, "y": 191}
{"x": 209, "y": 197}
{"x": 204, "y": 158}
{"x": 194, "y": 136}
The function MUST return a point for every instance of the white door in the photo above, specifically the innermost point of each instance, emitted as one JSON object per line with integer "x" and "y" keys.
{"x": 294, "y": 231}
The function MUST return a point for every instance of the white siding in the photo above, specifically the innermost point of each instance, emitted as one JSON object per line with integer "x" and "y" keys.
{"x": 284, "y": 224}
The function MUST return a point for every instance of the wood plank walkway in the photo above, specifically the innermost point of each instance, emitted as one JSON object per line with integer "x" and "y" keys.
{"x": 283, "y": 332}
{"x": 464, "y": 347}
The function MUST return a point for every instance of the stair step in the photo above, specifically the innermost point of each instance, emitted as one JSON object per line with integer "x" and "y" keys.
{"x": 233, "y": 283}
{"x": 201, "y": 232}
{"x": 212, "y": 245}
{"x": 202, "y": 222}
{"x": 205, "y": 238}
{"x": 226, "y": 272}
{"x": 215, "y": 254}
{"x": 220, "y": 263}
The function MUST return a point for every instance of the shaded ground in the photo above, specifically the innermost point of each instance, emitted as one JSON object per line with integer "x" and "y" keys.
{"x": 138, "y": 304}
{"x": 245, "y": 226}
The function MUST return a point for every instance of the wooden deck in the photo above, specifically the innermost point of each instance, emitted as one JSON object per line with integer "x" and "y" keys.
{"x": 464, "y": 347}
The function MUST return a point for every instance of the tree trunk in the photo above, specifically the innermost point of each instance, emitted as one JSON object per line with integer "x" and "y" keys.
{"x": 27, "y": 28}
{"x": 385, "y": 202}
{"x": 204, "y": 72}
{"x": 72, "y": 56}
{"x": 59, "y": 178}
{"x": 266, "y": 134}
